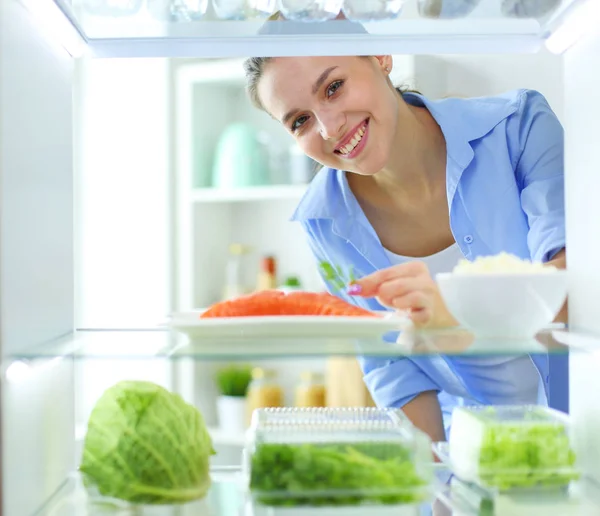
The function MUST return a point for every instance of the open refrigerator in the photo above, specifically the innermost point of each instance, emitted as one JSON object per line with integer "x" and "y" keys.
{"x": 40, "y": 42}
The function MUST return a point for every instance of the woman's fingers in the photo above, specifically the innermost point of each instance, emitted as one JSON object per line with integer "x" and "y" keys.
{"x": 369, "y": 285}
{"x": 400, "y": 287}
{"x": 418, "y": 304}
{"x": 407, "y": 287}
{"x": 422, "y": 317}
{"x": 413, "y": 301}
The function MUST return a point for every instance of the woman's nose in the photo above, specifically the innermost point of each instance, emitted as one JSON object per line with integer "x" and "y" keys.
{"x": 331, "y": 125}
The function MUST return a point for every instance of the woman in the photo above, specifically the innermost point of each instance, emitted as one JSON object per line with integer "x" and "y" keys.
{"x": 410, "y": 186}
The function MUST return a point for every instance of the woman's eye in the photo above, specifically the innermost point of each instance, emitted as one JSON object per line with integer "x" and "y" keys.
{"x": 333, "y": 87}
{"x": 298, "y": 122}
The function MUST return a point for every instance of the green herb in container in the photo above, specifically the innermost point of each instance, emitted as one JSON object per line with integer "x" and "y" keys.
{"x": 337, "y": 457}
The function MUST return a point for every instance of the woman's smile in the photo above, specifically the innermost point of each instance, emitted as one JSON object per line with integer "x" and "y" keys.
{"x": 354, "y": 142}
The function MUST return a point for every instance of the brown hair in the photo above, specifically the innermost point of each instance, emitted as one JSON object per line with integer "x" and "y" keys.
{"x": 254, "y": 68}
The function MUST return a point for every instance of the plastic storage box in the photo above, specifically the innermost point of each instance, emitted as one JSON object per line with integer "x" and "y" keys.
{"x": 512, "y": 447}
{"x": 336, "y": 457}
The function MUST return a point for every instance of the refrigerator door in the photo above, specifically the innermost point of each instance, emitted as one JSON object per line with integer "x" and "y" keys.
{"x": 582, "y": 162}
{"x": 36, "y": 259}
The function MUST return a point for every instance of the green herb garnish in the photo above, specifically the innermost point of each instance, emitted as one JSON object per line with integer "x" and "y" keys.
{"x": 334, "y": 474}
{"x": 334, "y": 275}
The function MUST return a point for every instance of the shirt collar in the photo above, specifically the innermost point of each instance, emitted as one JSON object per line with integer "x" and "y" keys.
{"x": 462, "y": 121}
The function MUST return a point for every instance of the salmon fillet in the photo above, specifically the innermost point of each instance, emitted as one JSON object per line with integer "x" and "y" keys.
{"x": 275, "y": 302}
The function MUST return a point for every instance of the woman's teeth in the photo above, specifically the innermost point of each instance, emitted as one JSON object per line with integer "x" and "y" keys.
{"x": 347, "y": 149}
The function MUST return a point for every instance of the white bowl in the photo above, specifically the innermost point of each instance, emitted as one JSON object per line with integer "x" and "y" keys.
{"x": 514, "y": 305}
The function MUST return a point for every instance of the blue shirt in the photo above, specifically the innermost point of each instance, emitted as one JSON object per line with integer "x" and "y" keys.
{"x": 505, "y": 191}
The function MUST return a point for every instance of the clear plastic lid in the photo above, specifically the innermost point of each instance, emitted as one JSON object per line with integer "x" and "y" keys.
{"x": 336, "y": 457}
{"x": 512, "y": 447}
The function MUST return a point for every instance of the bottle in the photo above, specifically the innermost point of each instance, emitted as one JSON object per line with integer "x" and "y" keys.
{"x": 267, "y": 276}
{"x": 233, "y": 274}
{"x": 263, "y": 391}
{"x": 310, "y": 392}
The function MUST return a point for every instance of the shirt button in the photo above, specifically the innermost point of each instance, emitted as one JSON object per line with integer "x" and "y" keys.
{"x": 468, "y": 239}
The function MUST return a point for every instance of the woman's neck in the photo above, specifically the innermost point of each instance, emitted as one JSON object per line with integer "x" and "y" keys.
{"x": 417, "y": 166}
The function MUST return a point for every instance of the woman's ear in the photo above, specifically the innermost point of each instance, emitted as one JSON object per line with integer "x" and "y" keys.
{"x": 386, "y": 63}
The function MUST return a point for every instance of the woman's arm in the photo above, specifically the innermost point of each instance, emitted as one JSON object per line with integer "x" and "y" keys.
{"x": 537, "y": 140}
{"x": 425, "y": 413}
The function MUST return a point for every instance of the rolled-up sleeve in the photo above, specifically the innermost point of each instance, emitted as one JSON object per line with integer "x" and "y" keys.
{"x": 394, "y": 383}
{"x": 540, "y": 171}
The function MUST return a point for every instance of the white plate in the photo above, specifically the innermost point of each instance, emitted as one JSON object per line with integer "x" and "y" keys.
{"x": 298, "y": 326}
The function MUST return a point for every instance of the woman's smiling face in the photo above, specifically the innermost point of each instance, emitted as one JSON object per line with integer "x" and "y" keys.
{"x": 342, "y": 111}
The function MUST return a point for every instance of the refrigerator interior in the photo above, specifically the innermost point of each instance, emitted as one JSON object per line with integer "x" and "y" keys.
{"x": 42, "y": 271}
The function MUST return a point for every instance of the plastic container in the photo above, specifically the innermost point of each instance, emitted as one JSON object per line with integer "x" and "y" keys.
{"x": 336, "y": 457}
{"x": 512, "y": 447}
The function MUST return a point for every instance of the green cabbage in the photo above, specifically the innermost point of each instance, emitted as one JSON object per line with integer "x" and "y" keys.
{"x": 146, "y": 445}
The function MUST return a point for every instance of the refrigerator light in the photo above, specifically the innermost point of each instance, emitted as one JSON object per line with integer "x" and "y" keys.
{"x": 56, "y": 25}
{"x": 581, "y": 19}
{"x": 20, "y": 370}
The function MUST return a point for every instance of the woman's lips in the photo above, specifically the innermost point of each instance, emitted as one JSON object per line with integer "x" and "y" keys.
{"x": 352, "y": 145}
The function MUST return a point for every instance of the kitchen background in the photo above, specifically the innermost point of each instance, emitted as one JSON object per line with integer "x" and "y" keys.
{"x": 185, "y": 189}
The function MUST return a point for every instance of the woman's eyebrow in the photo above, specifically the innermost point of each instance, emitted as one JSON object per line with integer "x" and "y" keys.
{"x": 322, "y": 78}
{"x": 317, "y": 85}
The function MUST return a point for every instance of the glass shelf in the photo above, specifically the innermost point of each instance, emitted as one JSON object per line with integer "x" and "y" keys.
{"x": 226, "y": 498}
{"x": 165, "y": 344}
{"x": 487, "y": 29}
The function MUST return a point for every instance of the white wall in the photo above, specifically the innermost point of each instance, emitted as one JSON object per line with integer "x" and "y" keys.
{"x": 122, "y": 230}
{"x": 123, "y": 233}
{"x": 480, "y": 75}
{"x": 582, "y": 83}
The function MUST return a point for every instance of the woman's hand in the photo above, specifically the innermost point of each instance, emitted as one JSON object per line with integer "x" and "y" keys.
{"x": 408, "y": 287}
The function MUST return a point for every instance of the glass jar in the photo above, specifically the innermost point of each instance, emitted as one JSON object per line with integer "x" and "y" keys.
{"x": 310, "y": 392}
{"x": 243, "y": 9}
{"x": 371, "y": 10}
{"x": 311, "y": 10}
{"x": 264, "y": 391}
{"x": 113, "y": 8}
{"x": 447, "y": 8}
{"x": 177, "y": 10}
